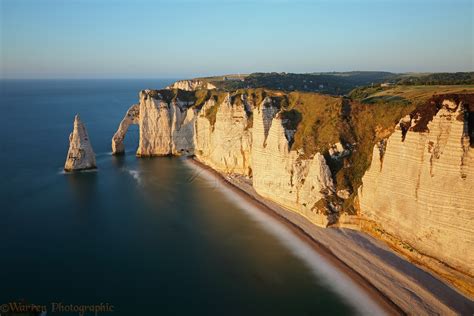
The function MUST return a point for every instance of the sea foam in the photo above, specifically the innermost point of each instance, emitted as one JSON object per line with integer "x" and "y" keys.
{"x": 135, "y": 175}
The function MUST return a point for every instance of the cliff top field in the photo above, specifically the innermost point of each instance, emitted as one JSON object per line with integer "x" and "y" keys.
{"x": 407, "y": 92}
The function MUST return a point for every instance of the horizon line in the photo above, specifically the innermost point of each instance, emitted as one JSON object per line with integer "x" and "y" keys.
{"x": 226, "y": 74}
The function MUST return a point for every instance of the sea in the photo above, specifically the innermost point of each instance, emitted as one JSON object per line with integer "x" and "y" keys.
{"x": 148, "y": 236}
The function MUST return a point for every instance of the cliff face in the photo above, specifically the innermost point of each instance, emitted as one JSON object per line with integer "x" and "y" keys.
{"x": 417, "y": 193}
{"x": 166, "y": 127}
{"x": 80, "y": 155}
{"x": 280, "y": 175}
{"x": 420, "y": 186}
{"x": 225, "y": 144}
{"x": 191, "y": 85}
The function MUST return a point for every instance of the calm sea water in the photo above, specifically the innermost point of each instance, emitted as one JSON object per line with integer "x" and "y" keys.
{"x": 149, "y": 236}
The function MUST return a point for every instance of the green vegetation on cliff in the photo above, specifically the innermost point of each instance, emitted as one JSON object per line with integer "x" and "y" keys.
{"x": 335, "y": 83}
{"x": 444, "y": 78}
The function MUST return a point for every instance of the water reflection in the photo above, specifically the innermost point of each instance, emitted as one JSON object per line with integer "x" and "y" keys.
{"x": 159, "y": 177}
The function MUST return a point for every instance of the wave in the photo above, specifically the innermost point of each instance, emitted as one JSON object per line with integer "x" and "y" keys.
{"x": 135, "y": 175}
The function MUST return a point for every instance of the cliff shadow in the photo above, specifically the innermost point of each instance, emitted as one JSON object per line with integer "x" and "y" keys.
{"x": 469, "y": 116}
{"x": 290, "y": 120}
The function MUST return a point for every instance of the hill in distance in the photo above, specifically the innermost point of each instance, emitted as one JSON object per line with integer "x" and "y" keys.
{"x": 335, "y": 83}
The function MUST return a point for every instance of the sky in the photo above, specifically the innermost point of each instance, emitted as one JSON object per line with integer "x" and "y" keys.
{"x": 181, "y": 39}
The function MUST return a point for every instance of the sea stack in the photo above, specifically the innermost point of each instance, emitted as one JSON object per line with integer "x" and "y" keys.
{"x": 80, "y": 156}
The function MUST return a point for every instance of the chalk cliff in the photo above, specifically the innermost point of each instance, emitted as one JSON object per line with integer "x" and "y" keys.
{"x": 416, "y": 194}
{"x": 166, "y": 126}
{"x": 279, "y": 174}
{"x": 191, "y": 85}
{"x": 419, "y": 189}
{"x": 225, "y": 144}
{"x": 80, "y": 155}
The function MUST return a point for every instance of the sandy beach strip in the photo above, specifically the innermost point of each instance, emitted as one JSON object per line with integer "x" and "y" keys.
{"x": 396, "y": 285}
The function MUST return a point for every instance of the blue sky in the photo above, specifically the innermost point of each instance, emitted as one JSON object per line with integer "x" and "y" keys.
{"x": 162, "y": 39}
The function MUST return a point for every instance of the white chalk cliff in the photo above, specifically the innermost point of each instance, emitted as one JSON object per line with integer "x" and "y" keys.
{"x": 280, "y": 175}
{"x": 80, "y": 155}
{"x": 165, "y": 127}
{"x": 191, "y": 85}
{"x": 225, "y": 146}
{"x": 419, "y": 189}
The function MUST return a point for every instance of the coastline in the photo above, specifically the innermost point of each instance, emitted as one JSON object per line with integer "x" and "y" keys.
{"x": 396, "y": 285}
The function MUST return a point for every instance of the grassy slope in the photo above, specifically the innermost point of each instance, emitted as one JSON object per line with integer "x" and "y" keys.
{"x": 453, "y": 78}
{"x": 330, "y": 82}
{"x": 423, "y": 93}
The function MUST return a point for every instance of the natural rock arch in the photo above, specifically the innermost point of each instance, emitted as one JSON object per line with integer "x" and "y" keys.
{"x": 131, "y": 117}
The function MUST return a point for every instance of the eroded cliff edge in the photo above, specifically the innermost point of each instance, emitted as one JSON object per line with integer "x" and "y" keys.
{"x": 401, "y": 171}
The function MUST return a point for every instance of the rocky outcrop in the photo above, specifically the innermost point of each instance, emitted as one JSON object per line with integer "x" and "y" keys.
{"x": 131, "y": 117}
{"x": 165, "y": 127}
{"x": 191, "y": 85}
{"x": 80, "y": 155}
{"x": 419, "y": 189}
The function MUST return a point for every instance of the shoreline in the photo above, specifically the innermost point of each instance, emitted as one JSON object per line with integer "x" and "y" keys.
{"x": 372, "y": 292}
{"x": 398, "y": 293}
